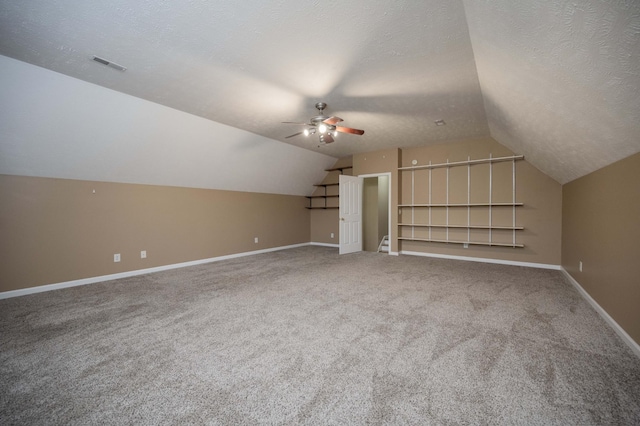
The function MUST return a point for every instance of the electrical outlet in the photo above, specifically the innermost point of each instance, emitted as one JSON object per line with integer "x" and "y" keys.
{"x": 143, "y": 254}
{"x": 465, "y": 245}
{"x": 116, "y": 257}
{"x": 332, "y": 235}
{"x": 581, "y": 266}
{"x": 255, "y": 240}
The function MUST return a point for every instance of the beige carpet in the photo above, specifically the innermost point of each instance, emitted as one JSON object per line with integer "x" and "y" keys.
{"x": 305, "y": 336}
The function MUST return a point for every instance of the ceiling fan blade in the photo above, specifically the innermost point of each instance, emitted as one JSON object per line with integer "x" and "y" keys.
{"x": 295, "y": 122}
{"x": 332, "y": 120}
{"x": 327, "y": 138}
{"x": 349, "y": 130}
{"x": 295, "y": 134}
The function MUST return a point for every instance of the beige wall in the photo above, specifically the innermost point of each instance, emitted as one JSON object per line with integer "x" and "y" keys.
{"x": 325, "y": 222}
{"x": 375, "y": 211}
{"x": 542, "y": 196}
{"x": 383, "y": 207}
{"x": 541, "y": 215}
{"x": 56, "y": 230}
{"x": 370, "y": 214}
{"x": 383, "y": 161}
{"x": 601, "y": 228}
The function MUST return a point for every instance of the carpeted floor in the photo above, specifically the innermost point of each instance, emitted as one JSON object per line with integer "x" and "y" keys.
{"x": 304, "y": 336}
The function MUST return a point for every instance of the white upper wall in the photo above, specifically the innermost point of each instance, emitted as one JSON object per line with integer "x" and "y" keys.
{"x": 52, "y": 125}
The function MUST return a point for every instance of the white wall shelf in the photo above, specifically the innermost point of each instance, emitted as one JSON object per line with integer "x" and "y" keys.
{"x": 423, "y": 231}
{"x": 425, "y": 225}
{"x": 475, "y": 243}
{"x": 464, "y": 205}
{"x": 468, "y": 162}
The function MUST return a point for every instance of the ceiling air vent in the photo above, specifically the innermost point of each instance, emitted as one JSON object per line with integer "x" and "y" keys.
{"x": 109, "y": 63}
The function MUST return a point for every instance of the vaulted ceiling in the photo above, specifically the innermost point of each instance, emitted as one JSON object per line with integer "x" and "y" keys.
{"x": 557, "y": 81}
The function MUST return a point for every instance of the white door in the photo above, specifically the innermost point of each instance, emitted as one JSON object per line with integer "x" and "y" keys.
{"x": 350, "y": 214}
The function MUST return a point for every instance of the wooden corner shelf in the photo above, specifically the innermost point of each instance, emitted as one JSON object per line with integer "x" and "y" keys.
{"x": 323, "y": 196}
{"x": 340, "y": 169}
{"x": 321, "y": 208}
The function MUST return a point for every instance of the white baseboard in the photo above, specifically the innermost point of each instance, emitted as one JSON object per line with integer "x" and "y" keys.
{"x": 391, "y": 253}
{"x": 325, "y": 245}
{"x": 39, "y": 289}
{"x": 93, "y": 280}
{"x": 616, "y": 327}
{"x": 483, "y": 260}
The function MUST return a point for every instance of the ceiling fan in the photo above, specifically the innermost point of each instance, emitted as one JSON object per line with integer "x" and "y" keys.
{"x": 324, "y": 126}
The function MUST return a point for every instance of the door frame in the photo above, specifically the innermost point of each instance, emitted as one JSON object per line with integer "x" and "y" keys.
{"x": 388, "y": 174}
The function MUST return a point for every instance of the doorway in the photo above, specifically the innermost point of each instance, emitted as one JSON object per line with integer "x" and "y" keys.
{"x": 375, "y": 211}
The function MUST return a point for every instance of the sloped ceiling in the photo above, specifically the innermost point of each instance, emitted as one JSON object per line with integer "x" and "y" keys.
{"x": 557, "y": 81}
{"x": 560, "y": 80}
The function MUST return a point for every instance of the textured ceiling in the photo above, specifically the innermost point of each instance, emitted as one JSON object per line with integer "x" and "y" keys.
{"x": 557, "y": 81}
{"x": 560, "y": 80}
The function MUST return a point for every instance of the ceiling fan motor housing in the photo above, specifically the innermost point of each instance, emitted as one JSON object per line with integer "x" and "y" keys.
{"x": 318, "y": 119}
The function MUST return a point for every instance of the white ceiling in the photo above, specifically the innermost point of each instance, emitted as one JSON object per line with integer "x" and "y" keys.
{"x": 557, "y": 81}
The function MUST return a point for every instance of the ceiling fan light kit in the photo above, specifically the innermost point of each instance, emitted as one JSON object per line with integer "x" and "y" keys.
{"x": 324, "y": 126}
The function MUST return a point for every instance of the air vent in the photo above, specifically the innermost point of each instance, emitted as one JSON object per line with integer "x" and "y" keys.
{"x": 109, "y": 63}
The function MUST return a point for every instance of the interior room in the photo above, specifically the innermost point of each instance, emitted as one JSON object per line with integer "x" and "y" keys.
{"x": 316, "y": 212}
